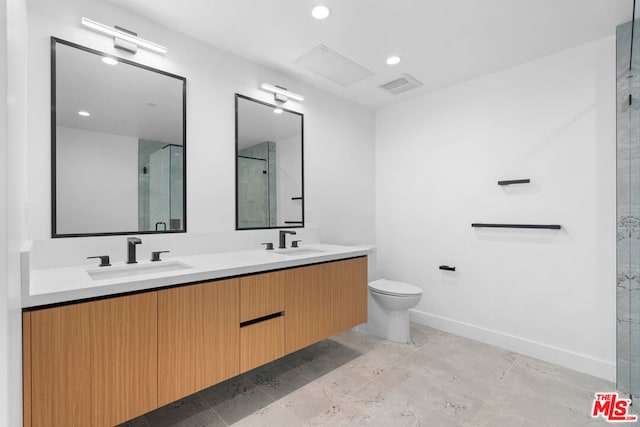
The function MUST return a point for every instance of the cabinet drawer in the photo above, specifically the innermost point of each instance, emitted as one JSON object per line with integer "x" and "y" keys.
{"x": 261, "y": 295}
{"x": 261, "y": 343}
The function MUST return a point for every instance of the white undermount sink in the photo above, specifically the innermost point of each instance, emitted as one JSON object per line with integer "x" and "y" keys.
{"x": 298, "y": 251}
{"x": 103, "y": 273}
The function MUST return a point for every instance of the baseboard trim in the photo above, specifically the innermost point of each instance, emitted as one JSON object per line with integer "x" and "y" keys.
{"x": 563, "y": 357}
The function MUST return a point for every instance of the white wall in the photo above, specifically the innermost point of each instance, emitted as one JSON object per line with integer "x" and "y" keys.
{"x": 17, "y": 177}
{"x": 97, "y": 181}
{"x": 4, "y": 221}
{"x": 334, "y": 128}
{"x": 550, "y": 294}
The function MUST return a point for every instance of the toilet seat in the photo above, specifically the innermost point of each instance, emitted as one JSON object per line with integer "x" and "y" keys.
{"x": 392, "y": 288}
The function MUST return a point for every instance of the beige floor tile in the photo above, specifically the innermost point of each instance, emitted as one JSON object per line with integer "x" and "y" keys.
{"x": 309, "y": 401}
{"x": 277, "y": 379}
{"x": 341, "y": 382}
{"x": 236, "y": 399}
{"x": 273, "y": 415}
{"x": 438, "y": 379}
{"x": 192, "y": 411}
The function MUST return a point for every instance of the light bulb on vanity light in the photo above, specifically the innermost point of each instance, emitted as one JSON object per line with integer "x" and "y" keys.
{"x": 123, "y": 35}
{"x": 84, "y": 113}
{"x": 109, "y": 60}
{"x": 277, "y": 90}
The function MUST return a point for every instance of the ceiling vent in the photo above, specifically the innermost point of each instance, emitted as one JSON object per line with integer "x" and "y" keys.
{"x": 401, "y": 85}
{"x": 332, "y": 66}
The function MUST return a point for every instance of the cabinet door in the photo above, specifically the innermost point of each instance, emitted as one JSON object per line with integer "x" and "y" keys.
{"x": 94, "y": 363}
{"x": 307, "y": 306}
{"x": 348, "y": 293}
{"x": 61, "y": 366}
{"x": 198, "y": 337}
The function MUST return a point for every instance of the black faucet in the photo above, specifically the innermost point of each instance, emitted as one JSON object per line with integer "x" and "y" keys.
{"x": 283, "y": 238}
{"x": 131, "y": 249}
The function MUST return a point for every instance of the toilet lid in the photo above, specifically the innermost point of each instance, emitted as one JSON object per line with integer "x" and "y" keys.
{"x": 389, "y": 287}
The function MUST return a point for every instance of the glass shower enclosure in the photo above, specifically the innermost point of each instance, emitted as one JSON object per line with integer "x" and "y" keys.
{"x": 160, "y": 186}
{"x": 628, "y": 213}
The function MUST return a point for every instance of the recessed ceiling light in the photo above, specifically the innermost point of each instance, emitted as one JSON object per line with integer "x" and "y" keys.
{"x": 278, "y": 110}
{"x": 109, "y": 61}
{"x": 84, "y": 113}
{"x": 393, "y": 60}
{"x": 320, "y": 12}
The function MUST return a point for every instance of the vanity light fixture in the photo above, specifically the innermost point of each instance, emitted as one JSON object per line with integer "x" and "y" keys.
{"x": 393, "y": 60}
{"x": 320, "y": 12}
{"x": 109, "y": 60}
{"x": 130, "y": 39}
{"x": 84, "y": 113}
{"x": 281, "y": 94}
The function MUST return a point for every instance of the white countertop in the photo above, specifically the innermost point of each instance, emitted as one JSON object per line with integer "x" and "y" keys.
{"x": 57, "y": 285}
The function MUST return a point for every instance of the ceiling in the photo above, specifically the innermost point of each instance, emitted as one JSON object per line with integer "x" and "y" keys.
{"x": 129, "y": 100}
{"x": 258, "y": 123}
{"x": 442, "y": 42}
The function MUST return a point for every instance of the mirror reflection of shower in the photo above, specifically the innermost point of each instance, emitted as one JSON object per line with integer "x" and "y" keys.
{"x": 160, "y": 185}
{"x": 257, "y": 186}
{"x": 269, "y": 166}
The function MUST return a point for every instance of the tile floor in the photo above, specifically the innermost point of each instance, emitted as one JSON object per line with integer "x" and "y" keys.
{"x": 354, "y": 379}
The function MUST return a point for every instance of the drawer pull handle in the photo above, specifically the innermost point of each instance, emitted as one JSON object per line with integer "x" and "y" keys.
{"x": 261, "y": 319}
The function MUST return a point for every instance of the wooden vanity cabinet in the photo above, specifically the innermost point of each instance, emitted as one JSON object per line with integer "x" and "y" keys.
{"x": 93, "y": 363}
{"x": 198, "y": 337}
{"x": 103, "y": 362}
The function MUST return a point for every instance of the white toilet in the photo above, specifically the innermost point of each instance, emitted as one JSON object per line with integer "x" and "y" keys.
{"x": 389, "y": 304}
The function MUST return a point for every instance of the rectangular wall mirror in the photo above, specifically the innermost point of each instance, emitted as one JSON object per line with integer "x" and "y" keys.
{"x": 269, "y": 166}
{"x": 118, "y": 145}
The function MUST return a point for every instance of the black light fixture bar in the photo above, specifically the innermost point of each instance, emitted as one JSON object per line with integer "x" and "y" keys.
{"x": 543, "y": 226}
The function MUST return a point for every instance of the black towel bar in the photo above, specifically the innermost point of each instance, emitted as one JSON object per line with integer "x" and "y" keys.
{"x": 545, "y": 226}
{"x": 447, "y": 268}
{"x": 514, "y": 181}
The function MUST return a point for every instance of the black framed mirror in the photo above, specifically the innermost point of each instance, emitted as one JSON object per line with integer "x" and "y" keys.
{"x": 118, "y": 145}
{"x": 269, "y": 166}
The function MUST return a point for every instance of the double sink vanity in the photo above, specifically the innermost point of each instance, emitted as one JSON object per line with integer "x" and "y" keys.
{"x": 103, "y": 345}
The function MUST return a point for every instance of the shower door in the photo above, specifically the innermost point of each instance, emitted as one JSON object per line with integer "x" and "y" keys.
{"x": 253, "y": 192}
{"x": 628, "y": 215}
{"x": 161, "y": 188}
